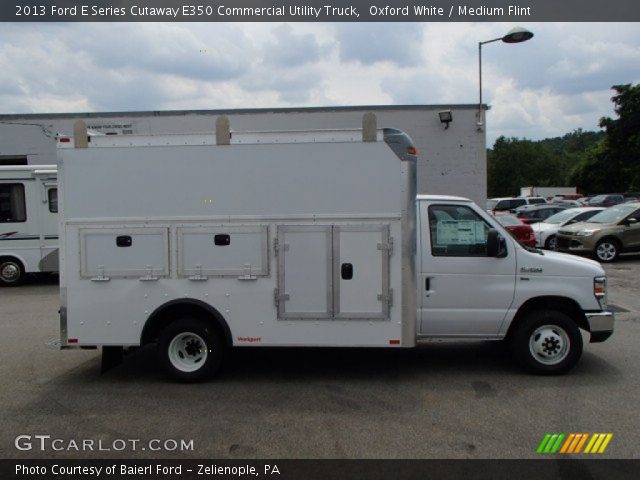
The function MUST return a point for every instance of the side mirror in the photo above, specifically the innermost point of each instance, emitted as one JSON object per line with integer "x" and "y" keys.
{"x": 495, "y": 244}
{"x": 631, "y": 221}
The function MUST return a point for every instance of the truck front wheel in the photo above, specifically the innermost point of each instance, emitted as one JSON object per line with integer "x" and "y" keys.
{"x": 190, "y": 350}
{"x": 547, "y": 342}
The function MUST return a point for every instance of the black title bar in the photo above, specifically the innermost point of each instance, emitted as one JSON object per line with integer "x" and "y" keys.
{"x": 115, "y": 469}
{"x": 518, "y": 11}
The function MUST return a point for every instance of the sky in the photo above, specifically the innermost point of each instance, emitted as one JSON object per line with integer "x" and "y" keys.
{"x": 555, "y": 83}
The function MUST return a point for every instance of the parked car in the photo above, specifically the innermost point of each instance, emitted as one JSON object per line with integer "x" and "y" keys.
{"x": 608, "y": 200}
{"x": 567, "y": 196}
{"x": 509, "y": 204}
{"x": 568, "y": 203}
{"x": 547, "y": 230}
{"x": 605, "y": 235}
{"x": 537, "y": 213}
{"x": 522, "y": 232}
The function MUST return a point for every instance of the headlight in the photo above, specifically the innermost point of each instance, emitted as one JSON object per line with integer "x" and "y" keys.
{"x": 600, "y": 290}
{"x": 585, "y": 233}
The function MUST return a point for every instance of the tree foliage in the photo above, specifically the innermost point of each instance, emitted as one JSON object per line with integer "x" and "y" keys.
{"x": 595, "y": 162}
{"x": 515, "y": 163}
{"x": 622, "y": 154}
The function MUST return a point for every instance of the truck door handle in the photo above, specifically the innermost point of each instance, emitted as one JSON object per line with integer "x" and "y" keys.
{"x": 427, "y": 283}
{"x": 346, "y": 271}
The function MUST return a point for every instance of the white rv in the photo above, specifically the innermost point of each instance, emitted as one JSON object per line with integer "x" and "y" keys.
{"x": 28, "y": 221}
{"x": 316, "y": 238}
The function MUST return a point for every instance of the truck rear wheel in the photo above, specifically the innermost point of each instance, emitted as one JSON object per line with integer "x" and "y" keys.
{"x": 190, "y": 350}
{"x": 547, "y": 342}
{"x": 11, "y": 272}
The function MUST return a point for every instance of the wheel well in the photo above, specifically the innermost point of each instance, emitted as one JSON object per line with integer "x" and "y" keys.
{"x": 562, "y": 304}
{"x": 175, "y": 309}
{"x": 15, "y": 259}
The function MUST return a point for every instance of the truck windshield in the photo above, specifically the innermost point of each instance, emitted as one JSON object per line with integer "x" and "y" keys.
{"x": 613, "y": 214}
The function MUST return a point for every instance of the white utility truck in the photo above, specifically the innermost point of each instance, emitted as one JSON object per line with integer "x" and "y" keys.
{"x": 28, "y": 221}
{"x": 317, "y": 238}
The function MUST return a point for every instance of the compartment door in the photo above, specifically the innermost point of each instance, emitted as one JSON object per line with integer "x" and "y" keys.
{"x": 124, "y": 253}
{"x": 304, "y": 271}
{"x": 361, "y": 271}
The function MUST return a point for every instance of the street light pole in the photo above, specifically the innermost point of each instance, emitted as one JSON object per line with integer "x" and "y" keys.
{"x": 515, "y": 35}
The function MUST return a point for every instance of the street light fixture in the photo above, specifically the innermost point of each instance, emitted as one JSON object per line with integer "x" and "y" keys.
{"x": 515, "y": 35}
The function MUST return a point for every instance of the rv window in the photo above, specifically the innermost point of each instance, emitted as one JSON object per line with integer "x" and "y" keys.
{"x": 53, "y": 200}
{"x": 12, "y": 205}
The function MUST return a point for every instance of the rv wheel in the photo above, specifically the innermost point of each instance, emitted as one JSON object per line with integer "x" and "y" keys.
{"x": 190, "y": 350}
{"x": 11, "y": 272}
{"x": 547, "y": 342}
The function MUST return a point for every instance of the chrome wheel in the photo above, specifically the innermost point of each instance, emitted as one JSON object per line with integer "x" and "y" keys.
{"x": 10, "y": 272}
{"x": 549, "y": 344}
{"x": 606, "y": 251}
{"x": 187, "y": 352}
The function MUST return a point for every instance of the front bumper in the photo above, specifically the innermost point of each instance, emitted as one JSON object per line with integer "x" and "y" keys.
{"x": 600, "y": 325}
{"x": 573, "y": 244}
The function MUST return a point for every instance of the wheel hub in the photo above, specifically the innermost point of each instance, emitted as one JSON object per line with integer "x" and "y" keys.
{"x": 10, "y": 272}
{"x": 606, "y": 251}
{"x": 188, "y": 351}
{"x": 193, "y": 348}
{"x": 549, "y": 344}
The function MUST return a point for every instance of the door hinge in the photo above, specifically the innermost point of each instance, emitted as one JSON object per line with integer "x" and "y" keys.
{"x": 101, "y": 277}
{"x": 247, "y": 274}
{"x": 277, "y": 247}
{"x": 198, "y": 277}
{"x": 388, "y": 298}
{"x": 277, "y": 298}
{"x": 149, "y": 276}
{"x": 387, "y": 246}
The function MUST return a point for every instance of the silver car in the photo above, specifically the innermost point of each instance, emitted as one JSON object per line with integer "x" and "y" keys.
{"x": 547, "y": 230}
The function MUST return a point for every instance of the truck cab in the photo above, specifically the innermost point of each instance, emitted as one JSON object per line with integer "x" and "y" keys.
{"x": 476, "y": 281}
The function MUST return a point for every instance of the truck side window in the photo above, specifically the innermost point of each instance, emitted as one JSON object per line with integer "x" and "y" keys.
{"x": 12, "y": 203}
{"x": 457, "y": 231}
{"x": 53, "y": 200}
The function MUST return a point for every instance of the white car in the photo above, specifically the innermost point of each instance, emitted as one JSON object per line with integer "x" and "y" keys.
{"x": 546, "y": 231}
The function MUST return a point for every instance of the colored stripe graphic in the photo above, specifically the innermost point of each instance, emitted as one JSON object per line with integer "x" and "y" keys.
{"x": 573, "y": 443}
{"x": 551, "y": 443}
{"x": 598, "y": 442}
{"x": 543, "y": 443}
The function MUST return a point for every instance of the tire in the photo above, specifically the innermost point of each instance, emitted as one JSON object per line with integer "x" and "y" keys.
{"x": 190, "y": 350}
{"x": 607, "y": 250}
{"x": 547, "y": 342}
{"x": 11, "y": 272}
{"x": 550, "y": 243}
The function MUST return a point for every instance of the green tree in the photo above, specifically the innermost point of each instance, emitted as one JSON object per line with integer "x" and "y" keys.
{"x": 589, "y": 173}
{"x": 515, "y": 163}
{"x": 622, "y": 157}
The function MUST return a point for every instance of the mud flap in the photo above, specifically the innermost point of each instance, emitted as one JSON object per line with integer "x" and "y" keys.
{"x": 111, "y": 358}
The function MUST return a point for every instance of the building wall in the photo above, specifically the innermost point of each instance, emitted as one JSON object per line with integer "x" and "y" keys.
{"x": 451, "y": 161}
